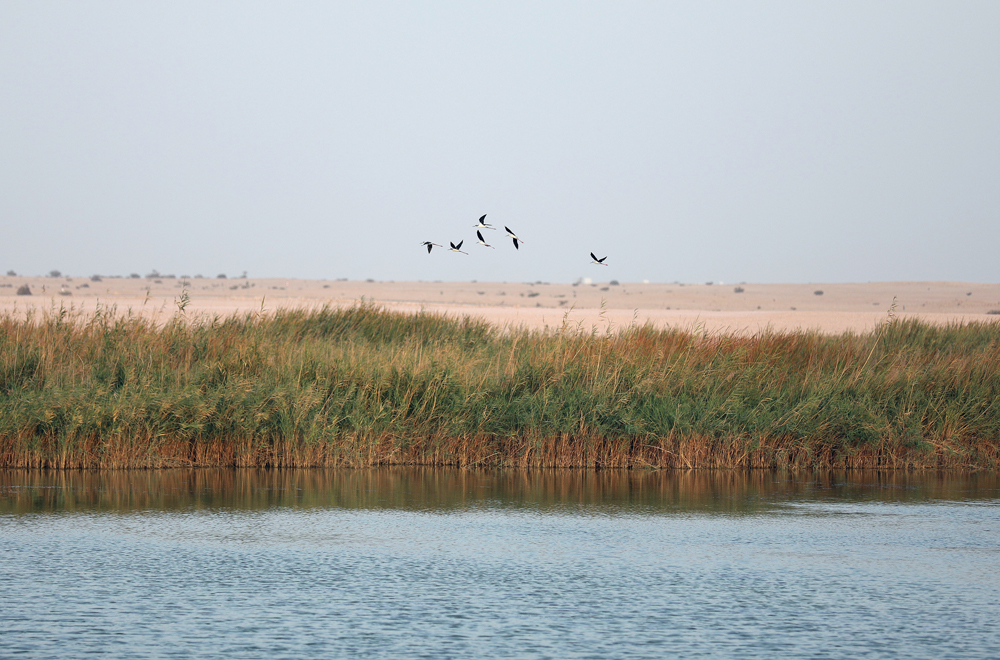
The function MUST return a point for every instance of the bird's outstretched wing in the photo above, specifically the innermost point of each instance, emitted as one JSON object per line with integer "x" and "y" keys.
{"x": 508, "y": 230}
{"x": 459, "y": 246}
{"x": 482, "y": 218}
{"x": 594, "y": 257}
{"x": 452, "y": 245}
{"x": 515, "y": 245}
{"x": 429, "y": 246}
{"x": 480, "y": 235}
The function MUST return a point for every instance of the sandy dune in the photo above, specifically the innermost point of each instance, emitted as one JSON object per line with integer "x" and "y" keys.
{"x": 715, "y": 307}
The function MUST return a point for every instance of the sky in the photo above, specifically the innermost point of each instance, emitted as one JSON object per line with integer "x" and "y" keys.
{"x": 686, "y": 141}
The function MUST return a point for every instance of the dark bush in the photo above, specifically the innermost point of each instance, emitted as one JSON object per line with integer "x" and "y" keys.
{"x": 817, "y": 293}
{"x": 24, "y": 290}
{"x": 738, "y": 289}
{"x": 55, "y": 273}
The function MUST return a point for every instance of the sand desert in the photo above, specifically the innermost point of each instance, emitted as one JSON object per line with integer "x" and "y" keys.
{"x": 712, "y": 307}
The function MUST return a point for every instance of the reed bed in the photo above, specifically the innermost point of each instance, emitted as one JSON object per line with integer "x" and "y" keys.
{"x": 363, "y": 386}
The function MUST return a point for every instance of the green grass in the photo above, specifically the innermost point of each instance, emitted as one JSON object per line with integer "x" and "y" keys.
{"x": 364, "y": 386}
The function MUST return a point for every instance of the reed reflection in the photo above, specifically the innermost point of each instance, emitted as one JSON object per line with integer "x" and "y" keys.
{"x": 449, "y": 489}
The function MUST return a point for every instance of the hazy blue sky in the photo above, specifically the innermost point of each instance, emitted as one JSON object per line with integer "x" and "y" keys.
{"x": 694, "y": 141}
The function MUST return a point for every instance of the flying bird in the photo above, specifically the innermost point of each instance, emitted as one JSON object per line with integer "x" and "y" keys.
{"x": 457, "y": 248}
{"x": 599, "y": 262}
{"x": 514, "y": 236}
{"x": 430, "y": 245}
{"x": 482, "y": 224}
{"x": 481, "y": 241}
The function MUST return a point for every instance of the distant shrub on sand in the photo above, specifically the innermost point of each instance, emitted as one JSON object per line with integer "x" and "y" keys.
{"x": 135, "y": 276}
{"x": 738, "y": 289}
{"x": 55, "y": 273}
{"x": 95, "y": 278}
{"x": 11, "y": 273}
{"x": 817, "y": 293}
{"x": 220, "y": 276}
{"x": 24, "y": 290}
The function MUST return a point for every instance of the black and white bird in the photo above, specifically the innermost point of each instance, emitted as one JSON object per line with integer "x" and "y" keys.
{"x": 457, "y": 248}
{"x": 481, "y": 241}
{"x": 430, "y": 245}
{"x": 513, "y": 236}
{"x": 599, "y": 262}
{"x": 482, "y": 223}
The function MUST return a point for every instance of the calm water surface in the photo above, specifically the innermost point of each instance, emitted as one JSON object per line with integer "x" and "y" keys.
{"x": 543, "y": 564}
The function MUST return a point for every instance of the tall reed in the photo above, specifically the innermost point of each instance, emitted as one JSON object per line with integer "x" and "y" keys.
{"x": 364, "y": 386}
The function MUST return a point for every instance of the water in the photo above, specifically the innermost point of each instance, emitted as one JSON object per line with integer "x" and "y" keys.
{"x": 544, "y": 564}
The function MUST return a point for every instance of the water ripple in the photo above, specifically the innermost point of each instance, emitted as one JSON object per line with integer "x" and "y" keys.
{"x": 583, "y": 575}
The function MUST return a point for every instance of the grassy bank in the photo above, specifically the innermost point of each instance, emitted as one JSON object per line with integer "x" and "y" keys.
{"x": 363, "y": 386}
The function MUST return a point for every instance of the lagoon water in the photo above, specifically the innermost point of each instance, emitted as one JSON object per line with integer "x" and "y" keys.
{"x": 442, "y": 563}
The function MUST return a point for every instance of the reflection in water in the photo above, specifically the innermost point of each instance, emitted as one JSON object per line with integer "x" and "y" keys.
{"x": 442, "y": 489}
{"x": 511, "y": 564}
